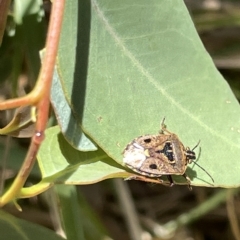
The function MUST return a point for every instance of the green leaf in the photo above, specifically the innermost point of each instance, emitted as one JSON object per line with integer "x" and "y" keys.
{"x": 125, "y": 65}
{"x": 69, "y": 212}
{"x": 59, "y": 162}
{"x": 93, "y": 226}
{"x": 14, "y": 228}
{"x": 23, "y": 123}
{"x": 66, "y": 119}
{"x": 27, "y": 7}
{"x": 79, "y": 220}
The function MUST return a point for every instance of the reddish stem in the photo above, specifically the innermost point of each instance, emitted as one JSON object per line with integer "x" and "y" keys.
{"x": 39, "y": 97}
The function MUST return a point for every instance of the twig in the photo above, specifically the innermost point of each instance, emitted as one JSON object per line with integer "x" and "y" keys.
{"x": 128, "y": 209}
{"x": 232, "y": 214}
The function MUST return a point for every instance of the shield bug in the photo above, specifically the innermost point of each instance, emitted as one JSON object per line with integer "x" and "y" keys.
{"x": 156, "y": 155}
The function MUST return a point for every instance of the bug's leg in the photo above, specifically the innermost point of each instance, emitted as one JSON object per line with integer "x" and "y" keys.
{"x": 171, "y": 182}
{"x": 163, "y": 126}
{"x": 150, "y": 180}
{"x": 144, "y": 179}
{"x": 188, "y": 180}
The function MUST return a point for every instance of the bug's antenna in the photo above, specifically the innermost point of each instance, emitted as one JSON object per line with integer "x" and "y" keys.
{"x": 163, "y": 125}
{"x": 199, "y": 165}
{"x": 204, "y": 170}
{"x": 196, "y": 145}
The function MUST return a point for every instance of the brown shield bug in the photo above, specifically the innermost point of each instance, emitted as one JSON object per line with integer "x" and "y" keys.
{"x": 153, "y": 156}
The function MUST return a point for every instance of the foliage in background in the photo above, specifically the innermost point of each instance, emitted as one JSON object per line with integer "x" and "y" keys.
{"x": 117, "y": 78}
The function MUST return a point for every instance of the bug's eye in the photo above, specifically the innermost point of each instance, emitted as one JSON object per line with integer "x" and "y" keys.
{"x": 153, "y": 166}
{"x": 147, "y": 140}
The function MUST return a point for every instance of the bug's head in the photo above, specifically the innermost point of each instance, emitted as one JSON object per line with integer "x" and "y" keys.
{"x": 190, "y": 155}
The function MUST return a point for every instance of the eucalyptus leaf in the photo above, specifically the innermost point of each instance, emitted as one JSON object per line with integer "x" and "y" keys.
{"x": 69, "y": 125}
{"x": 59, "y": 162}
{"x": 23, "y": 123}
{"x": 126, "y": 65}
